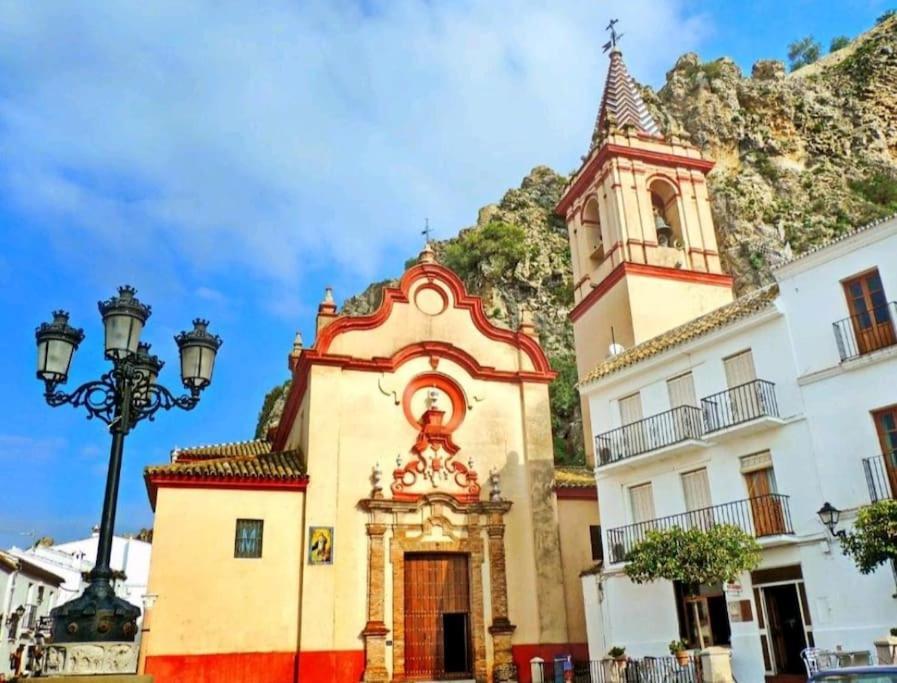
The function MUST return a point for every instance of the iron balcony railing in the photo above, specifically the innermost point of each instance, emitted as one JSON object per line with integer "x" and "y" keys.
{"x": 760, "y": 516}
{"x": 651, "y": 433}
{"x": 866, "y": 332}
{"x": 743, "y": 403}
{"x": 876, "y": 469}
{"x": 644, "y": 670}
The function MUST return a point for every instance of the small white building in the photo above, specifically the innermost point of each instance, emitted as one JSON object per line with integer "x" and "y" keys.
{"x": 27, "y": 594}
{"x": 72, "y": 560}
{"x": 755, "y": 414}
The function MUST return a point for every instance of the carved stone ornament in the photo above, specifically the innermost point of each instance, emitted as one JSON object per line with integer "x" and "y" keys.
{"x": 433, "y": 464}
{"x": 80, "y": 659}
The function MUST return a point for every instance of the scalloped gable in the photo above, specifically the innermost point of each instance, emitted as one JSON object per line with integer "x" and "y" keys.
{"x": 462, "y": 323}
{"x": 428, "y": 314}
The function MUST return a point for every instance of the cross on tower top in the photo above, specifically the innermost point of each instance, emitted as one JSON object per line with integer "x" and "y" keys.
{"x": 614, "y": 36}
{"x": 426, "y": 231}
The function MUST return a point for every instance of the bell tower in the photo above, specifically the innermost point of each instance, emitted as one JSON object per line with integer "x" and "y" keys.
{"x": 641, "y": 233}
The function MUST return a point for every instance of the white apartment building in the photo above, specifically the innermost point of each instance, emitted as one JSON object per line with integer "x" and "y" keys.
{"x": 27, "y": 594}
{"x": 130, "y": 559}
{"x": 755, "y": 414}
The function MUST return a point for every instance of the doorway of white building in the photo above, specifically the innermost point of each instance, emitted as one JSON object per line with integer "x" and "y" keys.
{"x": 783, "y": 618}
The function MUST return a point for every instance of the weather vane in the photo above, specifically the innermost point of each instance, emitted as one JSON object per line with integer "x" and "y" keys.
{"x": 426, "y": 231}
{"x": 614, "y": 36}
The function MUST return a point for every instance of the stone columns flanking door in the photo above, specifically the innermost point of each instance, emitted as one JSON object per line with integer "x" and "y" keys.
{"x": 501, "y": 629}
{"x": 375, "y": 630}
{"x": 435, "y": 523}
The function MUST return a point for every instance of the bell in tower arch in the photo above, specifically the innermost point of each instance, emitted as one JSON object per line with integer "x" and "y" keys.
{"x": 664, "y": 229}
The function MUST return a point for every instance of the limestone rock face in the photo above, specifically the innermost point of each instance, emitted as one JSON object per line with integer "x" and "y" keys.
{"x": 799, "y": 158}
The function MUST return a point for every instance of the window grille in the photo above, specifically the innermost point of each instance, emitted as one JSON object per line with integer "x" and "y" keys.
{"x": 248, "y": 540}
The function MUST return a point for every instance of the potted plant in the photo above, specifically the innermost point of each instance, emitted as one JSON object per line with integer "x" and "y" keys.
{"x": 679, "y": 650}
{"x": 617, "y": 653}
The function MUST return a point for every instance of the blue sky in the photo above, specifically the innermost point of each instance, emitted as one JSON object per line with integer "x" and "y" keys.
{"x": 230, "y": 159}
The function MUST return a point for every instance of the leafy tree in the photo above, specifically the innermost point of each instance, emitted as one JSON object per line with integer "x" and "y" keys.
{"x": 564, "y": 404}
{"x": 838, "y": 42}
{"x": 873, "y": 540}
{"x": 886, "y": 15}
{"x": 693, "y": 556}
{"x": 803, "y": 52}
{"x": 496, "y": 246}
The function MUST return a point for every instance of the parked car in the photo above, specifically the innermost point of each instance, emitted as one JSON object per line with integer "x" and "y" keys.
{"x": 859, "y": 674}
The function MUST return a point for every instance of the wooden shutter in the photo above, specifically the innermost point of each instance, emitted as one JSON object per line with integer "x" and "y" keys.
{"x": 696, "y": 486}
{"x": 642, "y": 500}
{"x": 682, "y": 391}
{"x": 631, "y": 409}
{"x": 740, "y": 369}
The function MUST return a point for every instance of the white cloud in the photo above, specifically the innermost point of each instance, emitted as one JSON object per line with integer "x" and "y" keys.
{"x": 281, "y": 136}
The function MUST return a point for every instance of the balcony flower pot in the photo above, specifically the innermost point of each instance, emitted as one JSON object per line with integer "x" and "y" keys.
{"x": 679, "y": 650}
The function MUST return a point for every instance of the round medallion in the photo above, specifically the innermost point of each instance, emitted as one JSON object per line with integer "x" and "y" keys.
{"x": 430, "y": 299}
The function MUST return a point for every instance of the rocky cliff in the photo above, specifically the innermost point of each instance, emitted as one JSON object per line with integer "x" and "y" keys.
{"x": 801, "y": 157}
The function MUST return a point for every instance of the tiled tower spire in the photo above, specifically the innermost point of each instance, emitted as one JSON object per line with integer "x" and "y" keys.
{"x": 622, "y": 104}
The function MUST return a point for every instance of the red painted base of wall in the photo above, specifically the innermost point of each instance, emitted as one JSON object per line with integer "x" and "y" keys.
{"x": 258, "y": 667}
{"x": 524, "y": 653}
{"x": 339, "y": 666}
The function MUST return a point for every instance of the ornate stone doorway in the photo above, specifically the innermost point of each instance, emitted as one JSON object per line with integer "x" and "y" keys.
{"x": 437, "y": 616}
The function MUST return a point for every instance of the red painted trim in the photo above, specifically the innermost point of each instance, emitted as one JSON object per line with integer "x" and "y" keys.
{"x": 318, "y": 354}
{"x": 233, "y": 667}
{"x": 336, "y": 666}
{"x": 439, "y": 381}
{"x": 586, "y": 175}
{"x": 627, "y": 268}
{"x": 183, "y": 481}
{"x": 599, "y": 291}
{"x": 578, "y": 493}
{"x": 523, "y": 655}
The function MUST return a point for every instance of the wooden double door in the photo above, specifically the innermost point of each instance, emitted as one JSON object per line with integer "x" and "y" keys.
{"x": 886, "y": 425}
{"x": 870, "y": 313}
{"x": 437, "y": 616}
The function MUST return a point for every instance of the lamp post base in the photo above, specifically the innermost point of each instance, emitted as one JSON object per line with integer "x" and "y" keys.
{"x": 96, "y": 616}
{"x": 91, "y": 659}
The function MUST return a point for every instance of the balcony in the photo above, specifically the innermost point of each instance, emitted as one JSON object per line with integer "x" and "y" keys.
{"x": 761, "y": 517}
{"x": 881, "y": 486}
{"x": 866, "y": 332}
{"x": 671, "y": 431}
{"x": 746, "y": 408}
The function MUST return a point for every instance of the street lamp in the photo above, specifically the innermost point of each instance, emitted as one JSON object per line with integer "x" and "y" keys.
{"x": 830, "y": 515}
{"x": 122, "y": 397}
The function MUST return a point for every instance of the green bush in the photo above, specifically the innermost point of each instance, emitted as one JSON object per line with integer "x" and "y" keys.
{"x": 873, "y": 541}
{"x": 880, "y": 188}
{"x": 886, "y": 15}
{"x": 838, "y": 42}
{"x": 803, "y": 52}
{"x": 693, "y": 556}
{"x": 564, "y": 400}
{"x": 500, "y": 245}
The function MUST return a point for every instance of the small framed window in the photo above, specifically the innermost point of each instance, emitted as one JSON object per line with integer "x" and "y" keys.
{"x": 248, "y": 539}
{"x": 596, "y": 543}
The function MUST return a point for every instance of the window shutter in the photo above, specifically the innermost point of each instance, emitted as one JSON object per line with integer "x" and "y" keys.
{"x": 642, "y": 500}
{"x": 631, "y": 409}
{"x": 740, "y": 369}
{"x": 696, "y": 486}
{"x": 682, "y": 391}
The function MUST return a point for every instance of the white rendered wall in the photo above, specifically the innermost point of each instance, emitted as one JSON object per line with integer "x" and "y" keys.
{"x": 817, "y": 456}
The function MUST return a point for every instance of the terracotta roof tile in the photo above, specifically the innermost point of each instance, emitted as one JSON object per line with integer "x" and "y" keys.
{"x": 574, "y": 477}
{"x": 720, "y": 317}
{"x": 281, "y": 466}
{"x": 222, "y": 450}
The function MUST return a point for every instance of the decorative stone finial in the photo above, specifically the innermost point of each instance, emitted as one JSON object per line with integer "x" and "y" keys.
{"x": 297, "y": 342}
{"x": 494, "y": 485}
{"x": 376, "y": 482}
{"x": 328, "y": 295}
{"x": 427, "y": 255}
{"x": 527, "y": 324}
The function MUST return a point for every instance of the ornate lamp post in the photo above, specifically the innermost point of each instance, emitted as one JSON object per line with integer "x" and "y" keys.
{"x": 121, "y": 398}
